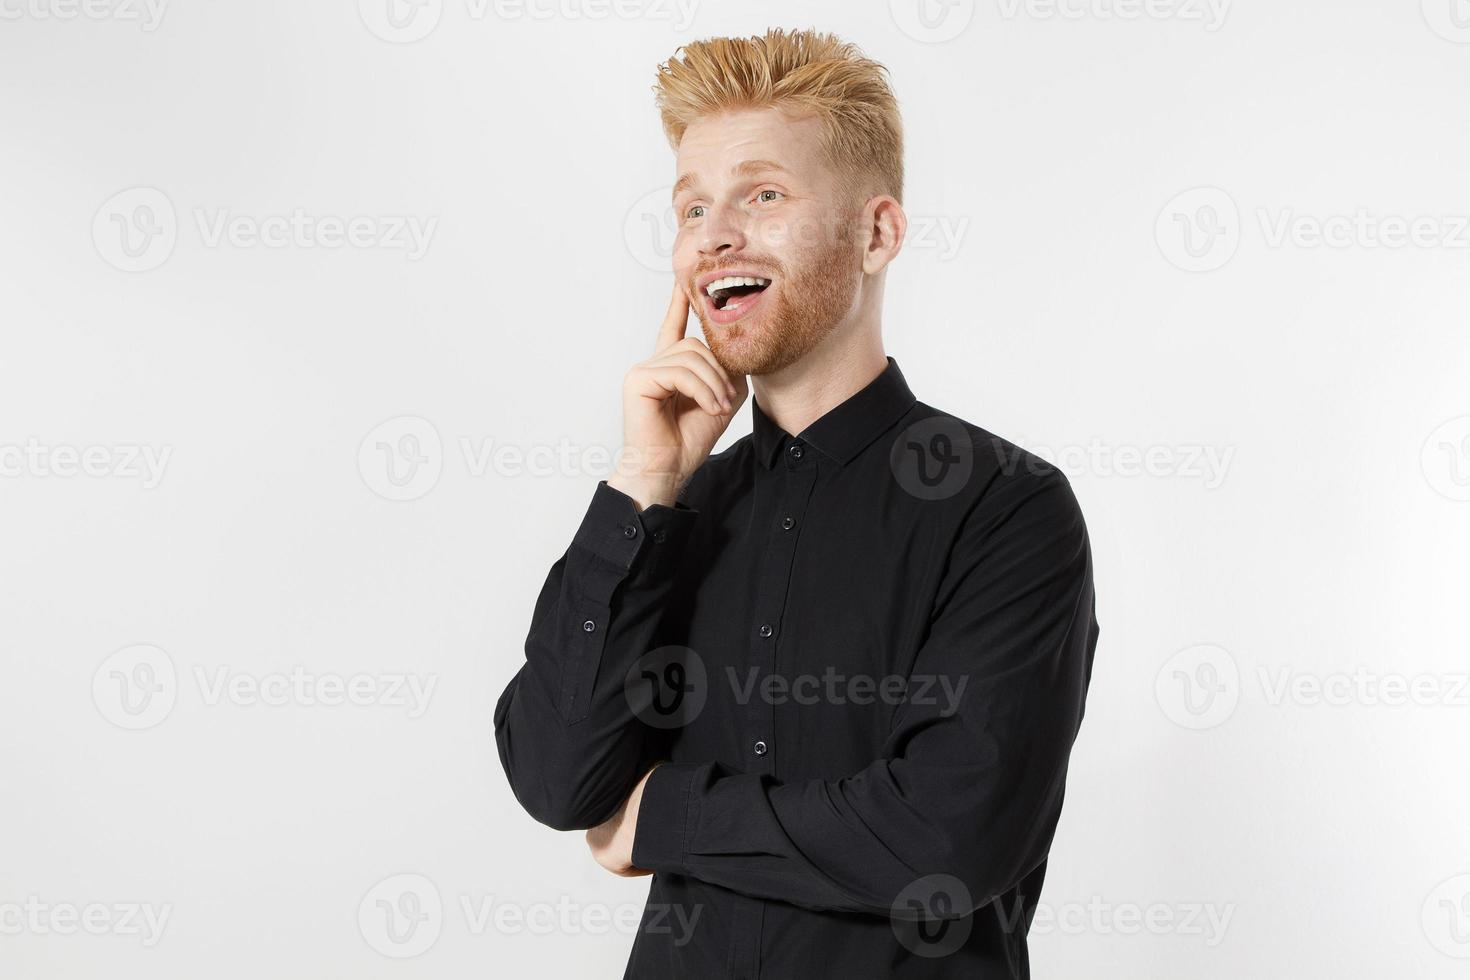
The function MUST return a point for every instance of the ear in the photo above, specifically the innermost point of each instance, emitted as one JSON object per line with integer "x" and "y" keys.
{"x": 884, "y": 228}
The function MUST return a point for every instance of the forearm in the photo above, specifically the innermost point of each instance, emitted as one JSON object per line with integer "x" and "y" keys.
{"x": 567, "y": 738}
{"x": 971, "y": 790}
{"x": 854, "y": 844}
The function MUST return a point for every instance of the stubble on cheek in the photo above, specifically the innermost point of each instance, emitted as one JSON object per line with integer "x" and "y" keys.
{"x": 810, "y": 303}
{"x": 813, "y": 292}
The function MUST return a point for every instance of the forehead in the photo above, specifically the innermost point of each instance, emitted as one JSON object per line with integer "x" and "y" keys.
{"x": 714, "y": 147}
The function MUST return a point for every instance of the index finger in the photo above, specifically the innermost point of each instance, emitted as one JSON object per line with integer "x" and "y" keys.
{"x": 676, "y": 320}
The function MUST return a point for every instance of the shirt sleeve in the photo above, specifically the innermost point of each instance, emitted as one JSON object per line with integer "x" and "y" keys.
{"x": 567, "y": 740}
{"x": 968, "y": 787}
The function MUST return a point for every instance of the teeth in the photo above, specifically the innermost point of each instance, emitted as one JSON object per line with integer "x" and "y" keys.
{"x": 731, "y": 281}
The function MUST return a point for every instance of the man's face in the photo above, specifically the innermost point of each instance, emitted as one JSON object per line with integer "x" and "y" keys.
{"x": 757, "y": 197}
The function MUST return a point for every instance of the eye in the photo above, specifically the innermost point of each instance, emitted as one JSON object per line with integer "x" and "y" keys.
{"x": 693, "y": 208}
{"x": 766, "y": 200}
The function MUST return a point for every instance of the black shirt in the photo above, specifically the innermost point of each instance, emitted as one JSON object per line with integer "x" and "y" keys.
{"x": 864, "y": 651}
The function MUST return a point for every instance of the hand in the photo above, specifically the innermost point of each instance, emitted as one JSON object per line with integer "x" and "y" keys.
{"x": 612, "y": 840}
{"x": 676, "y": 405}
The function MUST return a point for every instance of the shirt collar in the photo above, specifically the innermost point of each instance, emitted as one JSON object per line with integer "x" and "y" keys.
{"x": 846, "y": 429}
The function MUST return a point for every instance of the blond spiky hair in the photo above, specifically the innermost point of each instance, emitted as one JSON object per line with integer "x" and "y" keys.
{"x": 800, "y": 73}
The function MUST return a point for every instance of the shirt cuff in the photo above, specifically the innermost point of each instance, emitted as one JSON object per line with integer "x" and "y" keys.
{"x": 615, "y": 530}
{"x": 661, "y": 837}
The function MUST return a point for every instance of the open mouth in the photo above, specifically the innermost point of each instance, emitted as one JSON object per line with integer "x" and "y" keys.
{"x": 731, "y": 296}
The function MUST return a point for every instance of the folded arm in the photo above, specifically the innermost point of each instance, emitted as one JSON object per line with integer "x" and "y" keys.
{"x": 569, "y": 744}
{"x": 970, "y": 788}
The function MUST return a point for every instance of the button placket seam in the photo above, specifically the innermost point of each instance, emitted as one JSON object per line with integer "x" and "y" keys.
{"x": 776, "y": 583}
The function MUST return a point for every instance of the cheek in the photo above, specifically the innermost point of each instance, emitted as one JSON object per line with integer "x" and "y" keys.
{"x": 685, "y": 255}
{"x": 771, "y": 234}
{"x": 812, "y": 236}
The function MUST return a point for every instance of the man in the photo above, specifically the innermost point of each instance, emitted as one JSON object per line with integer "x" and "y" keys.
{"x": 822, "y": 686}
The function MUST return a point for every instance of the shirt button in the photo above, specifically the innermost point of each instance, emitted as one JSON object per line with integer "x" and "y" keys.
{"x": 630, "y": 530}
{"x": 589, "y": 626}
{"x": 795, "y": 450}
{"x": 760, "y": 748}
{"x": 765, "y": 629}
{"x": 788, "y": 522}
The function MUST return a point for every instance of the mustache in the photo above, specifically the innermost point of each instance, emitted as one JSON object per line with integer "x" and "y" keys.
{"x": 764, "y": 269}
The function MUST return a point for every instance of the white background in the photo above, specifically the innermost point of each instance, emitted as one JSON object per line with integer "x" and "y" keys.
{"x": 1112, "y": 262}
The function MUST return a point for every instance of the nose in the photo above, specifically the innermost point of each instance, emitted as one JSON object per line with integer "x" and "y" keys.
{"x": 722, "y": 230}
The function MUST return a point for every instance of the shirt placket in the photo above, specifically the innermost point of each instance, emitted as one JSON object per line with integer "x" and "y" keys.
{"x": 788, "y": 495}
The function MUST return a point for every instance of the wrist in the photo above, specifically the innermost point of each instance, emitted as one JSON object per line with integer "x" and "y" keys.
{"x": 644, "y": 491}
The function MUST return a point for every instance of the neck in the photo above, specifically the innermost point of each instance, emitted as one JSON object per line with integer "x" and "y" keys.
{"x": 800, "y": 393}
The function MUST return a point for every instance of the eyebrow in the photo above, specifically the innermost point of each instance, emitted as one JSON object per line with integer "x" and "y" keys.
{"x": 746, "y": 169}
